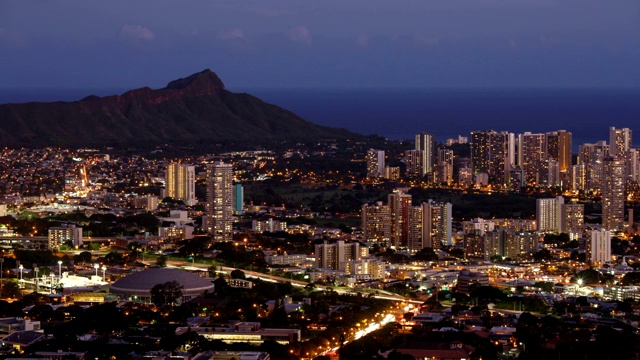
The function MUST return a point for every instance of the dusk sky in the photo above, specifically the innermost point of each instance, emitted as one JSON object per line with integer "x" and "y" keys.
{"x": 328, "y": 43}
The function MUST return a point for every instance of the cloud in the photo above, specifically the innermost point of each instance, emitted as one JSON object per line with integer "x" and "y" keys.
{"x": 300, "y": 35}
{"x": 270, "y": 12}
{"x": 426, "y": 40}
{"x": 548, "y": 40}
{"x": 137, "y": 32}
{"x": 12, "y": 38}
{"x": 362, "y": 40}
{"x": 231, "y": 34}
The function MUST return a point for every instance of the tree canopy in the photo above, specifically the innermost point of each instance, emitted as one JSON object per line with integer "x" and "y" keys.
{"x": 168, "y": 293}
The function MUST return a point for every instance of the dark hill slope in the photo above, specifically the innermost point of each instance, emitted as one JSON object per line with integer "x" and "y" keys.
{"x": 189, "y": 110}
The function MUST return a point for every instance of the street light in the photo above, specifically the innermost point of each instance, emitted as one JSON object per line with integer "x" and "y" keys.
{"x": 104, "y": 270}
{"x": 60, "y": 269}
{"x": 1, "y": 262}
{"x": 96, "y": 266}
{"x": 20, "y": 267}
{"x": 35, "y": 269}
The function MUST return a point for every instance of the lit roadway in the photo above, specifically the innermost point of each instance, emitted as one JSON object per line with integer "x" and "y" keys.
{"x": 297, "y": 283}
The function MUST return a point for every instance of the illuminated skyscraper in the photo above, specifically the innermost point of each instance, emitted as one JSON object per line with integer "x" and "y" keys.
{"x": 532, "y": 157}
{"x": 632, "y": 167}
{"x": 436, "y": 224}
{"x": 425, "y": 143}
{"x": 600, "y": 246}
{"x": 238, "y": 199}
{"x": 613, "y": 193}
{"x": 559, "y": 145}
{"x": 445, "y": 166}
{"x": 375, "y": 163}
{"x": 619, "y": 141}
{"x": 334, "y": 256}
{"x": 180, "y": 183}
{"x": 492, "y": 153}
{"x": 376, "y": 223}
{"x": 415, "y": 235}
{"x": 218, "y": 219}
{"x": 399, "y": 204}
{"x": 414, "y": 160}
{"x": 592, "y": 156}
{"x": 548, "y": 214}
{"x": 572, "y": 218}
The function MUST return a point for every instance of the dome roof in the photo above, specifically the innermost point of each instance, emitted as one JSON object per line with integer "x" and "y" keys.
{"x": 144, "y": 281}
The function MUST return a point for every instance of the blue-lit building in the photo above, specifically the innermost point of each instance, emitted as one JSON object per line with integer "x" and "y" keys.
{"x": 238, "y": 197}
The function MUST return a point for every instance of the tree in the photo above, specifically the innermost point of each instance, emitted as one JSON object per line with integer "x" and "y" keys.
{"x": 11, "y": 289}
{"x": 114, "y": 257}
{"x": 632, "y": 278}
{"x": 589, "y": 276}
{"x": 211, "y": 271}
{"x": 488, "y": 293}
{"x": 545, "y": 286}
{"x": 83, "y": 257}
{"x": 168, "y": 293}
{"x": 543, "y": 254}
{"x": 161, "y": 261}
{"x": 237, "y": 274}
{"x": 426, "y": 254}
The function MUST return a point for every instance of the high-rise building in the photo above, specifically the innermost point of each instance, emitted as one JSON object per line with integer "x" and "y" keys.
{"x": 494, "y": 243}
{"x": 415, "y": 233}
{"x": 180, "y": 183}
{"x": 548, "y": 214}
{"x": 414, "y": 160}
{"x": 376, "y": 223}
{"x": 425, "y": 143}
{"x": 59, "y": 235}
{"x": 465, "y": 176}
{"x": 600, "y": 246}
{"x": 436, "y": 224}
{"x": 238, "y": 199}
{"x": 491, "y": 153}
{"x": 478, "y": 225}
{"x": 632, "y": 165}
{"x": 579, "y": 177}
{"x": 509, "y": 243}
{"x": 218, "y": 219}
{"x": 619, "y": 141}
{"x": 572, "y": 217}
{"x": 559, "y": 145}
{"x": 474, "y": 245}
{"x": 592, "y": 156}
{"x": 375, "y": 163}
{"x": 334, "y": 256}
{"x": 392, "y": 173}
{"x": 532, "y": 157}
{"x": 399, "y": 204}
{"x": 520, "y": 244}
{"x": 613, "y": 192}
{"x": 444, "y": 167}
{"x": 553, "y": 173}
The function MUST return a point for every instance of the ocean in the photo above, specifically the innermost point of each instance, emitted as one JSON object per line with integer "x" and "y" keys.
{"x": 399, "y": 114}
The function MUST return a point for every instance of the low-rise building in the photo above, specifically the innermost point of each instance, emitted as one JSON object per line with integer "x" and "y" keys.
{"x": 247, "y": 332}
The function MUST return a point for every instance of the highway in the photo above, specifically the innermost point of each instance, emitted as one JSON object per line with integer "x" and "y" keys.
{"x": 296, "y": 283}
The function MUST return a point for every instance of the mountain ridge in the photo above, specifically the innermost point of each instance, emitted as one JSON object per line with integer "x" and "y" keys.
{"x": 196, "y": 108}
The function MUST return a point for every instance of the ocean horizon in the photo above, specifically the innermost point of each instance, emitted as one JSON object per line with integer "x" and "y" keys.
{"x": 399, "y": 114}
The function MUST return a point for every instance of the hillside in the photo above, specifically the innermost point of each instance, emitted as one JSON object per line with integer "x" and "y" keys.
{"x": 190, "y": 110}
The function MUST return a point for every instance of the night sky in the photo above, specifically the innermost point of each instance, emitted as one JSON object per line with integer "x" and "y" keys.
{"x": 321, "y": 44}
